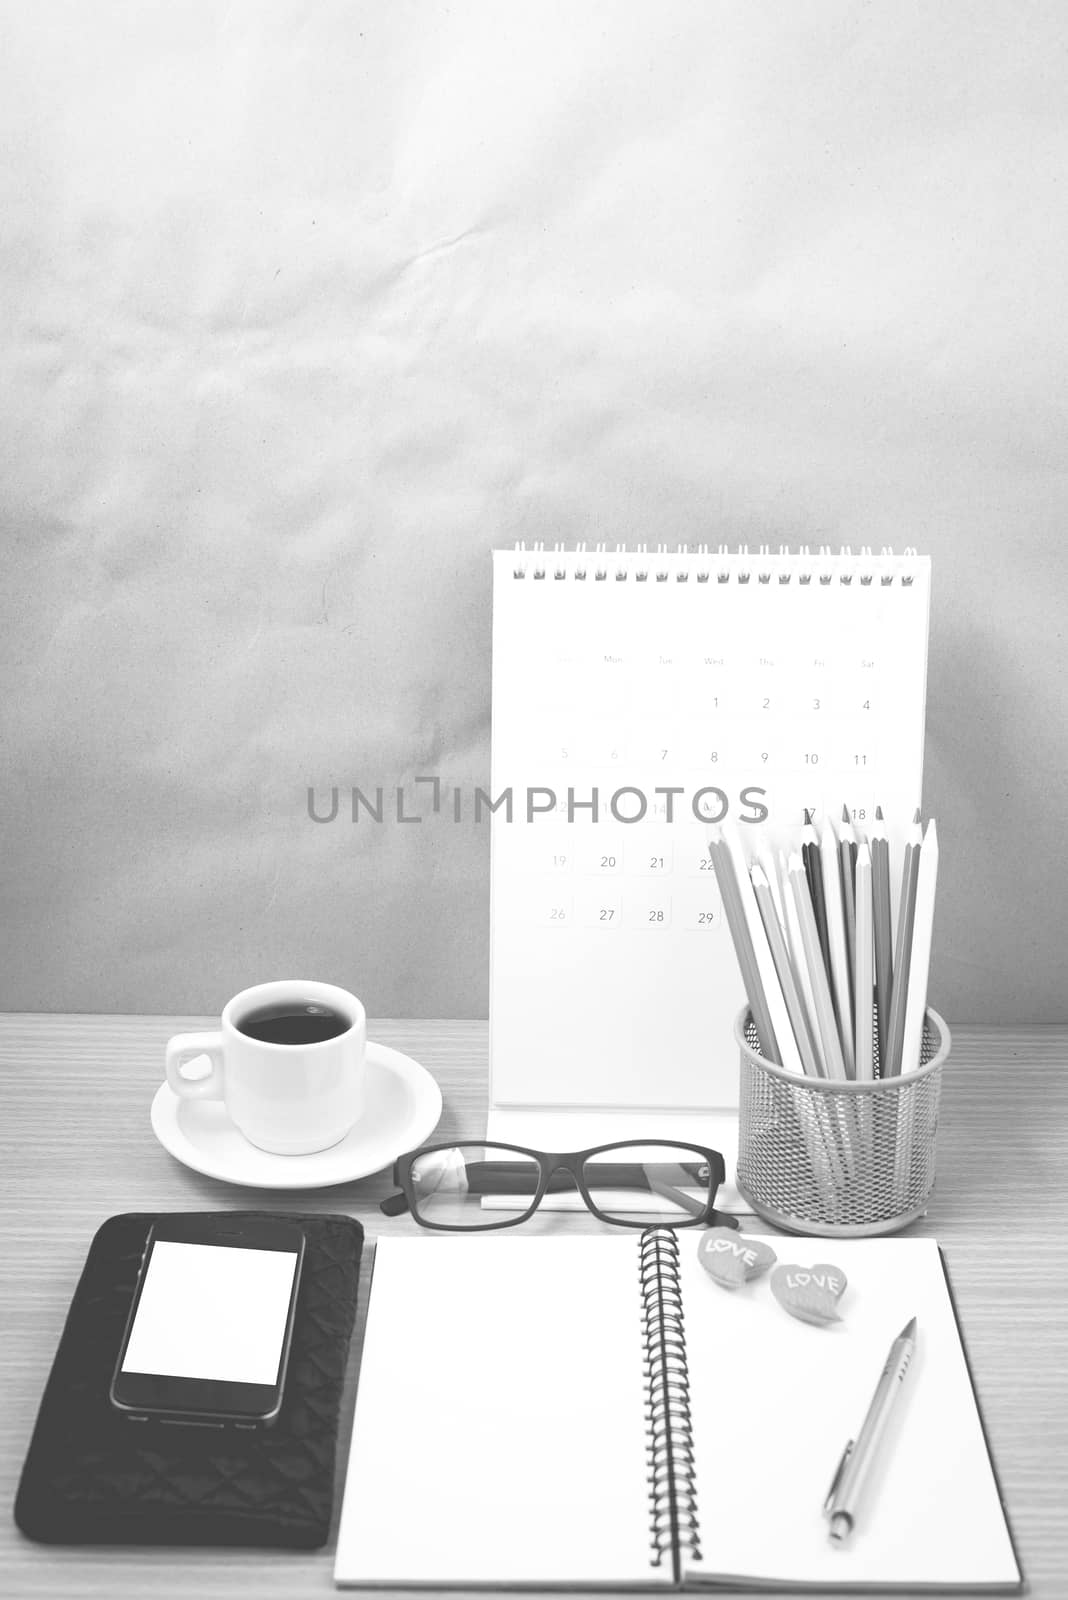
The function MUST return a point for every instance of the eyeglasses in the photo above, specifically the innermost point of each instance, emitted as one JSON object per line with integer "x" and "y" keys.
{"x": 460, "y": 1185}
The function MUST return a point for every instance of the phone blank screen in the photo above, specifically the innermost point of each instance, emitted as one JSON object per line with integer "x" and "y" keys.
{"x": 212, "y": 1311}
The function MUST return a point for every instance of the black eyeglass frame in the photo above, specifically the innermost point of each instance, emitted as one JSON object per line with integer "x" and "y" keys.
{"x": 550, "y": 1163}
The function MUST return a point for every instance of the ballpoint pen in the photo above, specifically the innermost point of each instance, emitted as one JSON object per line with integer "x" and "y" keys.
{"x": 858, "y": 1456}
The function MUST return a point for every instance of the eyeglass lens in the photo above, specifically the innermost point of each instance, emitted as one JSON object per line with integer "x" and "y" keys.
{"x": 477, "y": 1186}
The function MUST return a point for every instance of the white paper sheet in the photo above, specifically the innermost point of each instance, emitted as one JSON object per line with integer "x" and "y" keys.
{"x": 499, "y": 1426}
{"x": 775, "y": 1401}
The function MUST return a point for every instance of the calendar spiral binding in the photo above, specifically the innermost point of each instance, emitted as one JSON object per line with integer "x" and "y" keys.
{"x": 674, "y": 1525}
{"x": 703, "y": 563}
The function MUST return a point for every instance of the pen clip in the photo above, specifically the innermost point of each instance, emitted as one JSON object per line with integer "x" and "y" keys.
{"x": 836, "y": 1480}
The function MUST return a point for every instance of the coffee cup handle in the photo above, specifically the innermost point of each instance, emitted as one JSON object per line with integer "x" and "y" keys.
{"x": 183, "y": 1047}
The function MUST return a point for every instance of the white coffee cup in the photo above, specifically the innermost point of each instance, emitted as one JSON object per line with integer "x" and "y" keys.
{"x": 290, "y": 1099}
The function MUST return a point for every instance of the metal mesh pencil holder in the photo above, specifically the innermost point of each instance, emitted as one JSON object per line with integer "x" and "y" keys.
{"x": 821, "y": 1156}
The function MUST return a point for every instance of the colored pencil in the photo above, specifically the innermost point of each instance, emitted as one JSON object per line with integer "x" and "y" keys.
{"x": 810, "y": 855}
{"x": 783, "y": 970}
{"x": 920, "y": 960}
{"x": 788, "y": 1055}
{"x": 847, "y": 852}
{"x": 743, "y": 949}
{"x": 906, "y": 915}
{"x": 763, "y": 852}
{"x": 883, "y": 928}
{"x": 862, "y": 966}
{"x": 830, "y": 1044}
{"x": 832, "y": 896}
{"x": 796, "y": 946}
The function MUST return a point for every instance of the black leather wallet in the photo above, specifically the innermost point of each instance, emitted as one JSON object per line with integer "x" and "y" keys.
{"x": 93, "y": 1477}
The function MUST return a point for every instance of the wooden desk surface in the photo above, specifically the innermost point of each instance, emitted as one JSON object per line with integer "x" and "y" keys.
{"x": 78, "y": 1147}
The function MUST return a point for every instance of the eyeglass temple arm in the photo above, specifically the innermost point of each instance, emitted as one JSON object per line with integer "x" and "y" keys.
{"x": 394, "y": 1205}
{"x": 679, "y": 1197}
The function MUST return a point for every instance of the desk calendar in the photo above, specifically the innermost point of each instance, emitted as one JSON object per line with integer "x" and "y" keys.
{"x": 637, "y": 697}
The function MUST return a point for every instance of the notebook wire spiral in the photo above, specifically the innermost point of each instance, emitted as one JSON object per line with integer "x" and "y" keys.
{"x": 674, "y": 1524}
{"x": 715, "y": 563}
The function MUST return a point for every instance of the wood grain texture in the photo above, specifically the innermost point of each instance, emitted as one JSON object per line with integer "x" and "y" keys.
{"x": 77, "y": 1147}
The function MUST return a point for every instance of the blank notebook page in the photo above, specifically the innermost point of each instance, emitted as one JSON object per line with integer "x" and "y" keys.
{"x": 775, "y": 1399}
{"x": 499, "y": 1426}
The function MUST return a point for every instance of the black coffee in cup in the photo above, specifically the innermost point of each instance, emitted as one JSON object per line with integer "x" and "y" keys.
{"x": 294, "y": 1022}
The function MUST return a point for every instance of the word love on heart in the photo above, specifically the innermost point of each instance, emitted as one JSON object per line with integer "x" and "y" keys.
{"x": 810, "y": 1293}
{"x": 731, "y": 1259}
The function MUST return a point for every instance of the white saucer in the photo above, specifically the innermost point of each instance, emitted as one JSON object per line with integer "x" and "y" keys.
{"x": 402, "y": 1109}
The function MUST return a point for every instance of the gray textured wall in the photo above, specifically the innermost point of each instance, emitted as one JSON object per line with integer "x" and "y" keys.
{"x": 309, "y": 305}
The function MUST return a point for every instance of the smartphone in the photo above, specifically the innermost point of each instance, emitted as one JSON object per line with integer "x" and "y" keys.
{"x": 208, "y": 1335}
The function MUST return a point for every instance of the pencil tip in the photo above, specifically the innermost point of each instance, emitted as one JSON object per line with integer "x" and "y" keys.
{"x": 845, "y": 813}
{"x": 909, "y": 1330}
{"x": 878, "y": 813}
{"x": 916, "y": 815}
{"x": 808, "y": 818}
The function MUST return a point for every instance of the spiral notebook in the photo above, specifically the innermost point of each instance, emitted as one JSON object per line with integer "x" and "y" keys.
{"x": 596, "y": 1411}
{"x": 637, "y": 696}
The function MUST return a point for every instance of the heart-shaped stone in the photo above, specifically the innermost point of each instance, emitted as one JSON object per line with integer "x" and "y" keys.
{"x": 810, "y": 1293}
{"x": 731, "y": 1258}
